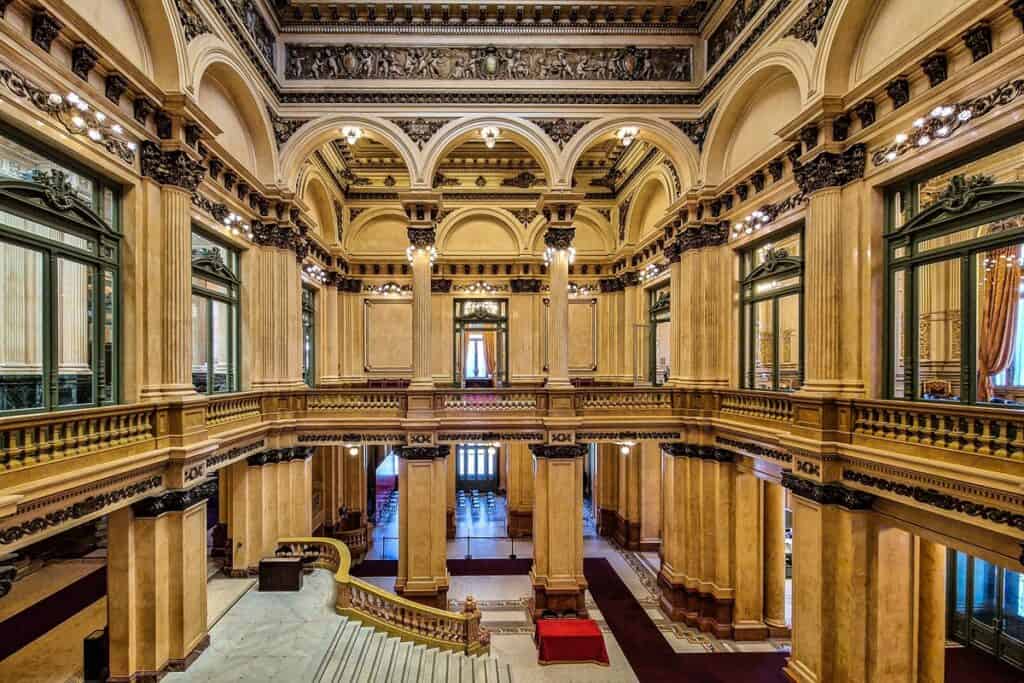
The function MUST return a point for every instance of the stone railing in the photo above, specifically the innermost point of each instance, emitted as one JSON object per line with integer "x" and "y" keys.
{"x": 222, "y": 410}
{"x": 756, "y": 404}
{"x": 490, "y": 401}
{"x": 624, "y": 399}
{"x": 40, "y": 438}
{"x": 984, "y": 431}
{"x": 355, "y": 540}
{"x": 389, "y": 401}
{"x": 389, "y": 612}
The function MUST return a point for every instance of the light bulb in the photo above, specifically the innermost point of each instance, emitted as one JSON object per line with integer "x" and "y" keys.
{"x": 94, "y": 135}
{"x": 353, "y": 451}
{"x": 78, "y": 121}
{"x": 937, "y": 112}
{"x": 890, "y": 156}
{"x": 72, "y": 98}
{"x": 923, "y": 140}
{"x": 101, "y": 117}
{"x": 919, "y": 123}
{"x": 132, "y": 146}
{"x": 55, "y": 99}
{"x": 943, "y": 131}
{"x": 624, "y": 450}
{"x": 117, "y": 128}
{"x": 965, "y": 115}
{"x": 901, "y": 138}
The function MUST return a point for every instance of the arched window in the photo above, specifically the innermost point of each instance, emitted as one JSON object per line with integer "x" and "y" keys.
{"x": 59, "y": 257}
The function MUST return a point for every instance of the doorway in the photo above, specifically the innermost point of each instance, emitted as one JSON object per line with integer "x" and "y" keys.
{"x": 476, "y": 467}
{"x": 481, "y": 342}
{"x": 986, "y": 607}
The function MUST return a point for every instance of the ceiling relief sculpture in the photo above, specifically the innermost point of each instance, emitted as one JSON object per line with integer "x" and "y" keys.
{"x": 333, "y": 62}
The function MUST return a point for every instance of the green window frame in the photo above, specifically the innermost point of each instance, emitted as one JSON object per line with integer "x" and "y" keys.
{"x": 918, "y": 240}
{"x": 58, "y": 222}
{"x": 215, "y": 315}
{"x": 309, "y": 335}
{"x": 658, "y": 313}
{"x": 771, "y": 277}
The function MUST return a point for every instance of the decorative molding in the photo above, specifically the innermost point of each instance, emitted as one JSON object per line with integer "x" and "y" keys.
{"x": 524, "y": 180}
{"x": 363, "y": 437}
{"x": 45, "y": 28}
{"x": 626, "y": 436}
{"x": 233, "y": 454}
{"x": 422, "y": 452}
{"x": 560, "y": 130}
{"x": 559, "y": 238}
{"x": 192, "y": 22}
{"x": 978, "y": 40}
{"x": 830, "y": 169}
{"x": 810, "y": 23}
{"x": 178, "y": 500}
{"x": 420, "y": 130}
{"x": 422, "y": 238}
{"x": 936, "y": 68}
{"x": 812, "y": 469}
{"x": 440, "y": 285}
{"x": 756, "y": 450}
{"x": 827, "y": 494}
{"x": 366, "y": 62}
{"x": 558, "y": 451}
{"x": 739, "y": 15}
{"x": 257, "y": 27}
{"x": 83, "y": 59}
{"x": 77, "y": 510}
{"x": 486, "y": 437}
{"x": 57, "y": 189}
{"x": 526, "y": 216}
{"x": 114, "y": 86}
{"x": 866, "y": 112}
{"x": 697, "y": 129}
{"x": 174, "y": 167}
{"x": 937, "y": 499}
{"x": 284, "y": 129}
{"x": 525, "y": 285}
{"x": 898, "y": 90}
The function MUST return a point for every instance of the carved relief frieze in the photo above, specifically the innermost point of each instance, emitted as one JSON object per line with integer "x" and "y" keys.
{"x": 192, "y": 22}
{"x": 347, "y": 62}
{"x": 830, "y": 169}
{"x": 756, "y": 449}
{"x": 218, "y": 460}
{"x": 363, "y": 437}
{"x": 487, "y": 437}
{"x": 257, "y": 27}
{"x": 284, "y": 128}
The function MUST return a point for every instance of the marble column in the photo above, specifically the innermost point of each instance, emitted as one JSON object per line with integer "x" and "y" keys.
{"x": 156, "y": 585}
{"x": 672, "y": 576}
{"x": 421, "y": 210}
{"x": 176, "y": 313}
{"x": 650, "y": 503}
{"x": 422, "y": 541}
{"x": 559, "y": 209}
{"x": 823, "y": 258}
{"x": 775, "y": 560}
{"x": 519, "y": 463}
{"x": 931, "y": 617}
{"x": 695, "y": 546}
{"x": 748, "y": 609}
{"x": 449, "y": 513}
{"x": 557, "y": 571}
{"x": 717, "y": 586}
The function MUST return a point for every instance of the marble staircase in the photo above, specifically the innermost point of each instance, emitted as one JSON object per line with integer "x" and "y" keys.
{"x": 362, "y": 654}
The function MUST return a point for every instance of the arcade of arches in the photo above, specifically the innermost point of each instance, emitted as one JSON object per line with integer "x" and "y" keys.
{"x": 703, "y": 320}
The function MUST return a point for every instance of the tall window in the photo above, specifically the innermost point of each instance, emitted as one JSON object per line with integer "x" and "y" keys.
{"x": 771, "y": 294}
{"x": 308, "y": 335}
{"x": 476, "y": 466}
{"x": 660, "y": 336}
{"x": 59, "y": 256}
{"x": 955, "y": 254}
{"x": 215, "y": 286}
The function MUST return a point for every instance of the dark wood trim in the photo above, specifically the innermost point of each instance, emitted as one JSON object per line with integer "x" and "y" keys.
{"x": 561, "y": 602}
{"x": 520, "y": 523}
{"x": 671, "y": 598}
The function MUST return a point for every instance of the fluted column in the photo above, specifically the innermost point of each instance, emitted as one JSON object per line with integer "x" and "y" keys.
{"x": 775, "y": 560}
{"x": 557, "y": 571}
{"x": 422, "y": 541}
{"x": 559, "y": 210}
{"x": 931, "y": 617}
{"x": 674, "y": 255}
{"x": 421, "y": 209}
{"x": 300, "y": 489}
{"x": 823, "y": 277}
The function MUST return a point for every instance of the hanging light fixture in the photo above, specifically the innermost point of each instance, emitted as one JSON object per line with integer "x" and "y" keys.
{"x": 234, "y": 224}
{"x": 627, "y": 134}
{"x": 352, "y": 134}
{"x": 490, "y": 134}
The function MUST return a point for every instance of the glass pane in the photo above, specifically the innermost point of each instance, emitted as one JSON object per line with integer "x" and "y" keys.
{"x": 938, "y": 343}
{"x": 1013, "y": 604}
{"x": 204, "y": 247}
{"x": 308, "y": 338}
{"x": 766, "y": 286}
{"x": 748, "y": 346}
{"x": 789, "y": 243}
{"x": 16, "y": 222}
{"x": 1006, "y": 226}
{"x": 223, "y": 344}
{"x": 211, "y": 285}
{"x": 959, "y": 625}
{"x": 764, "y": 345}
{"x": 21, "y": 163}
{"x": 983, "y": 598}
{"x": 662, "y": 351}
{"x": 200, "y": 343}
{"x": 21, "y": 345}
{"x": 899, "y": 309}
{"x": 76, "y": 332}
{"x": 789, "y": 343}
{"x": 108, "y": 352}
{"x": 999, "y": 339}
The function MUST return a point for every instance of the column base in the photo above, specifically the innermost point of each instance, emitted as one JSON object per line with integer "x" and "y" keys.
{"x": 561, "y": 602}
{"x": 671, "y": 599}
{"x": 749, "y": 632}
{"x": 691, "y": 613}
{"x": 172, "y": 665}
{"x": 438, "y": 599}
{"x": 606, "y": 522}
{"x": 627, "y": 533}
{"x": 715, "y": 615}
{"x": 778, "y": 630}
{"x": 449, "y": 523}
{"x": 520, "y": 523}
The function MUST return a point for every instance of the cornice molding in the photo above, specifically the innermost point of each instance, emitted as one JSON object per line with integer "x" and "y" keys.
{"x": 558, "y": 451}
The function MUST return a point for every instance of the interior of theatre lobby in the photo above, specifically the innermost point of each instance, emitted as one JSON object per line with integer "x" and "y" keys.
{"x": 653, "y": 341}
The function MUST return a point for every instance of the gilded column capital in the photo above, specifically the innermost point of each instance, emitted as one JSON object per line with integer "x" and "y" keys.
{"x": 831, "y": 169}
{"x": 525, "y": 285}
{"x": 422, "y": 237}
{"x": 172, "y": 167}
{"x": 559, "y": 238}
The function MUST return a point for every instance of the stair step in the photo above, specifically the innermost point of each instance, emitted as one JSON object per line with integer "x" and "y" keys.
{"x": 336, "y": 660}
{"x": 400, "y": 656}
{"x": 371, "y": 657}
{"x": 442, "y": 662}
{"x": 354, "y": 657}
{"x": 414, "y": 672}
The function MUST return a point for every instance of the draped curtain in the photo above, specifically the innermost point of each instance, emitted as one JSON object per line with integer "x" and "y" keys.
{"x": 1000, "y": 295}
{"x": 490, "y": 352}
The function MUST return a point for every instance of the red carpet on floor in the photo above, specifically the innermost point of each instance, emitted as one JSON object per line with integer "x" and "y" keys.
{"x": 568, "y": 641}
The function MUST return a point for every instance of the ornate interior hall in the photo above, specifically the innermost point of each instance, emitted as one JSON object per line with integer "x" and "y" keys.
{"x": 476, "y": 342}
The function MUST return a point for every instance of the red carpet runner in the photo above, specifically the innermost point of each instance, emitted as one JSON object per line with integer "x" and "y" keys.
{"x": 565, "y": 641}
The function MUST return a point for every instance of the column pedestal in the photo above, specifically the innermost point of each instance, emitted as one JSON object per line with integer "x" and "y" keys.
{"x": 557, "y": 573}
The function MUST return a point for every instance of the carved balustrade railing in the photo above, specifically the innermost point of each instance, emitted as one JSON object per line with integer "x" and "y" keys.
{"x": 366, "y": 400}
{"x": 354, "y": 539}
{"x": 224, "y": 410}
{"x": 459, "y": 631}
{"x": 626, "y": 398}
{"x": 40, "y": 438}
{"x": 984, "y": 431}
{"x": 756, "y": 404}
{"x": 489, "y": 401}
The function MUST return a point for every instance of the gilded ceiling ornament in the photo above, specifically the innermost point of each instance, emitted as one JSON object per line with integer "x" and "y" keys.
{"x": 442, "y": 180}
{"x": 480, "y": 181}
{"x": 677, "y": 186}
{"x": 559, "y": 238}
{"x": 421, "y": 238}
{"x": 346, "y": 62}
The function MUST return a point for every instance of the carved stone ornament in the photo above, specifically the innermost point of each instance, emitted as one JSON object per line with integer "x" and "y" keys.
{"x": 170, "y": 168}
{"x": 575, "y": 450}
{"x": 697, "y": 129}
{"x": 525, "y": 285}
{"x": 775, "y": 167}
{"x": 701, "y": 236}
{"x": 524, "y": 180}
{"x": 191, "y": 21}
{"x": 865, "y": 112}
{"x": 366, "y": 62}
{"x": 422, "y": 238}
{"x": 284, "y": 129}
{"x": 559, "y": 238}
{"x": 898, "y": 91}
{"x": 829, "y": 169}
{"x": 174, "y": 501}
{"x": 525, "y": 216}
{"x": 83, "y": 59}
{"x": 673, "y": 252}
{"x": 57, "y": 190}
{"x": 560, "y": 130}
{"x": 827, "y": 494}
{"x": 978, "y": 40}
{"x": 45, "y": 28}
{"x": 142, "y": 108}
{"x": 420, "y": 130}
{"x": 959, "y": 194}
{"x": 809, "y": 136}
{"x": 115, "y": 85}
{"x": 810, "y": 23}
{"x": 840, "y": 128}
{"x": 936, "y": 68}
{"x": 257, "y": 27}
{"x": 422, "y": 452}
{"x": 441, "y": 285}
{"x": 757, "y": 180}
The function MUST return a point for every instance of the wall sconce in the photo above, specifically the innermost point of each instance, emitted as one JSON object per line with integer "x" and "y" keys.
{"x": 234, "y": 224}
{"x": 315, "y": 272}
{"x": 490, "y": 135}
{"x": 752, "y": 222}
{"x": 410, "y": 251}
{"x": 627, "y": 134}
{"x": 549, "y": 254}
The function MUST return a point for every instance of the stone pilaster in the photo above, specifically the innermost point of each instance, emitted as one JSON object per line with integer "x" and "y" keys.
{"x": 627, "y": 524}
{"x": 156, "y": 578}
{"x": 300, "y": 488}
{"x": 674, "y": 254}
{"x": 422, "y": 541}
{"x": 557, "y": 572}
